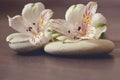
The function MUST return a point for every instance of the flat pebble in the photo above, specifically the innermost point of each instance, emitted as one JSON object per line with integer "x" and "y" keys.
{"x": 23, "y": 47}
{"x": 100, "y": 46}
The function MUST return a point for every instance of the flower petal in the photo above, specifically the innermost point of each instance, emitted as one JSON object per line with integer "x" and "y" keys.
{"x": 47, "y": 34}
{"x": 90, "y": 33}
{"x": 98, "y": 19}
{"x": 17, "y": 37}
{"x": 61, "y": 38}
{"x": 63, "y": 27}
{"x": 99, "y": 31}
{"x": 17, "y": 23}
{"x": 89, "y": 11}
{"x": 91, "y": 8}
{"x": 58, "y": 25}
{"x": 74, "y": 14}
{"x": 36, "y": 39}
{"x": 44, "y": 17}
{"x": 31, "y": 12}
{"x": 41, "y": 38}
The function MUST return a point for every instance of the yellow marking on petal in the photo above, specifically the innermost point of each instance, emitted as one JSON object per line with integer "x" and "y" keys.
{"x": 87, "y": 19}
{"x": 38, "y": 44}
{"x": 83, "y": 34}
{"x": 35, "y": 35}
{"x": 41, "y": 23}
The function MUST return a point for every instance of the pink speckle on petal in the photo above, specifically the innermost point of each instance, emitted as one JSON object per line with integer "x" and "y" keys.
{"x": 38, "y": 29}
{"x": 33, "y": 39}
{"x": 89, "y": 7}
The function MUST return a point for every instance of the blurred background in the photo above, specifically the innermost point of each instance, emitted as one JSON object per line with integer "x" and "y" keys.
{"x": 109, "y": 8}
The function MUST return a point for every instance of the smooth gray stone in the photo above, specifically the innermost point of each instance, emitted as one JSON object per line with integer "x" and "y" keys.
{"x": 100, "y": 46}
{"x": 23, "y": 47}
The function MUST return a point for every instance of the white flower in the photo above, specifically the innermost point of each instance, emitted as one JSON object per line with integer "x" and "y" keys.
{"x": 81, "y": 22}
{"x": 31, "y": 25}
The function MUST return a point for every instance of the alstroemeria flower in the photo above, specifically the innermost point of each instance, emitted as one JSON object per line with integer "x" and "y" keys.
{"x": 81, "y": 22}
{"x": 31, "y": 25}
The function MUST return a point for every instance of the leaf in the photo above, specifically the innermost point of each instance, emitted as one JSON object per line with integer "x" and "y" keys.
{"x": 64, "y": 40}
{"x": 52, "y": 31}
{"x": 102, "y": 36}
{"x": 101, "y": 25}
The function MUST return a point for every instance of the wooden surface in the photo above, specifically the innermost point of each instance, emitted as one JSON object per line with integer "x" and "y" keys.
{"x": 40, "y": 66}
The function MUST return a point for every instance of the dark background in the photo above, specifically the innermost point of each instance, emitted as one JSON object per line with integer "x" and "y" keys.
{"x": 109, "y": 8}
{"x": 46, "y": 67}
